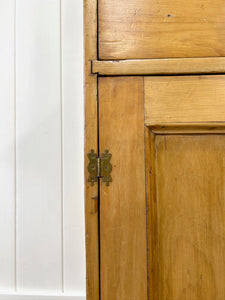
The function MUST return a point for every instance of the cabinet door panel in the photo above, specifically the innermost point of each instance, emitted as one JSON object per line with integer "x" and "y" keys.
{"x": 168, "y": 166}
{"x": 190, "y": 194}
{"x": 185, "y": 163}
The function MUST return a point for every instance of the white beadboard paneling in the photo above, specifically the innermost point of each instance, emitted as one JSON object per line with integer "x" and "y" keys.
{"x": 7, "y": 162}
{"x": 73, "y": 141}
{"x": 38, "y": 123}
{"x": 41, "y": 297}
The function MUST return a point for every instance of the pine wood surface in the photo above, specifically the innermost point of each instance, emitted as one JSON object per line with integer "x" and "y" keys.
{"x": 190, "y": 193}
{"x": 123, "y": 204}
{"x": 132, "y": 29}
{"x": 172, "y": 66}
{"x": 184, "y": 99}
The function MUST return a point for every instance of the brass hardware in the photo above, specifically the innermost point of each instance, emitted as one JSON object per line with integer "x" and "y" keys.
{"x": 92, "y": 167}
{"x": 106, "y": 167}
{"x": 99, "y": 167}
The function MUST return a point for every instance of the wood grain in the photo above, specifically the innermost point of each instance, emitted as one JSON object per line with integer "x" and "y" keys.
{"x": 122, "y": 204}
{"x": 208, "y": 65}
{"x": 184, "y": 99}
{"x": 152, "y": 219}
{"x": 91, "y": 142}
{"x": 190, "y": 189}
{"x": 161, "y": 29}
{"x": 189, "y": 128}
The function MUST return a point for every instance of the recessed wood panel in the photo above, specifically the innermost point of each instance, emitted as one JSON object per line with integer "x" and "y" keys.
{"x": 190, "y": 217}
{"x": 184, "y": 99}
{"x": 161, "y": 29}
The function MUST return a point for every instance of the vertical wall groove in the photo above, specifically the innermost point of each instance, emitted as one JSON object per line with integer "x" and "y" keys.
{"x": 62, "y": 169}
{"x": 15, "y": 154}
{"x": 41, "y": 147}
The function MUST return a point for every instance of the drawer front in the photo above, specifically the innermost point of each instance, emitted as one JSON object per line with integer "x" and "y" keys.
{"x": 161, "y": 29}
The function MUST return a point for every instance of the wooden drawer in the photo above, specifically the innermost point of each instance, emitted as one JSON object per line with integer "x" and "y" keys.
{"x": 161, "y": 29}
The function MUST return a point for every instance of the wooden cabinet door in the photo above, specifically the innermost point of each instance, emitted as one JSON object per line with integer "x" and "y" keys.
{"x": 162, "y": 219}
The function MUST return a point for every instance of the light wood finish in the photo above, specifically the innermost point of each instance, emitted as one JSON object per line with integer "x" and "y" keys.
{"x": 91, "y": 142}
{"x": 209, "y": 65}
{"x": 132, "y": 29}
{"x": 181, "y": 152}
{"x": 185, "y": 163}
{"x": 188, "y": 128}
{"x": 184, "y": 99}
{"x": 122, "y": 204}
{"x": 190, "y": 193}
{"x": 152, "y": 220}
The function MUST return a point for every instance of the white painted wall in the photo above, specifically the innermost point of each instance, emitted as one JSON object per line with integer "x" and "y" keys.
{"x": 41, "y": 150}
